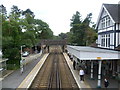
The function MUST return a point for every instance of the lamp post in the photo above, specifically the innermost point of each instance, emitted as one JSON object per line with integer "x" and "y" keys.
{"x": 21, "y": 61}
{"x": 21, "y": 50}
{"x": 35, "y": 48}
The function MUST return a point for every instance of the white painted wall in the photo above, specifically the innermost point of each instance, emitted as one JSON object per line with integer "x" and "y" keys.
{"x": 103, "y": 14}
{"x": 99, "y": 40}
{"x": 112, "y": 40}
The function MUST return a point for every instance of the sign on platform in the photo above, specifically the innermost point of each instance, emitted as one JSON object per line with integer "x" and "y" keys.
{"x": 99, "y": 58}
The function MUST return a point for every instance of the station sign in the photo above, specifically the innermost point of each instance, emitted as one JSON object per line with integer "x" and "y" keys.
{"x": 99, "y": 58}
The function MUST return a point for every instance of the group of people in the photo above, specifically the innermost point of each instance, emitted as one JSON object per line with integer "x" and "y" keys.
{"x": 82, "y": 73}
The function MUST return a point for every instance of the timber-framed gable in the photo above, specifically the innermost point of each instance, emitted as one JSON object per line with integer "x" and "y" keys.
{"x": 108, "y": 26}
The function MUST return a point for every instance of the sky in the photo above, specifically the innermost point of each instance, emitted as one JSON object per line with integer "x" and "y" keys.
{"x": 57, "y": 13}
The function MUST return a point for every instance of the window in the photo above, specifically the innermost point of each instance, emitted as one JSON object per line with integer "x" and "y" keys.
{"x": 108, "y": 40}
{"x": 107, "y": 21}
{"x": 103, "y": 40}
{"x": 118, "y": 38}
{"x": 103, "y": 23}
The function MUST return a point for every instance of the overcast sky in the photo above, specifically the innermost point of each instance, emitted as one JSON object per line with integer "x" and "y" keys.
{"x": 57, "y": 13}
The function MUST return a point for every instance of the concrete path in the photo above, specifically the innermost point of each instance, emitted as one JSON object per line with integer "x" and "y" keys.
{"x": 14, "y": 80}
{"x": 30, "y": 77}
{"x": 75, "y": 73}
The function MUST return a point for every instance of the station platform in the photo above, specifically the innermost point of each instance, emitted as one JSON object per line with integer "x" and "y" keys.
{"x": 30, "y": 77}
{"x": 14, "y": 80}
{"x": 75, "y": 73}
{"x": 88, "y": 83}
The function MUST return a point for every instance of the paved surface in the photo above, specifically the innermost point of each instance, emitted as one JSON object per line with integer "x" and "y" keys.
{"x": 75, "y": 73}
{"x": 30, "y": 77}
{"x": 14, "y": 79}
{"x": 93, "y": 83}
{"x": 88, "y": 83}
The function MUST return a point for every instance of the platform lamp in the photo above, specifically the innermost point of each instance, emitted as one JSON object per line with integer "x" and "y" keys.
{"x": 21, "y": 52}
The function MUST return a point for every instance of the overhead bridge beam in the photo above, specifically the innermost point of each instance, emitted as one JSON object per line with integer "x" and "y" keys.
{"x": 53, "y": 42}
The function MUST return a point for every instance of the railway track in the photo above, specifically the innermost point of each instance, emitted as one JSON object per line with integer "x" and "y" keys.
{"x": 54, "y": 74}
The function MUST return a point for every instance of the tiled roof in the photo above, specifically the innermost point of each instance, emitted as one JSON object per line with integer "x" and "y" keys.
{"x": 114, "y": 11}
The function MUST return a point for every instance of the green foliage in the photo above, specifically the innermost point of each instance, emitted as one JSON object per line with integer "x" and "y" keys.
{"x": 75, "y": 19}
{"x": 20, "y": 28}
{"x": 43, "y": 30}
{"x": 81, "y": 33}
{"x": 62, "y": 36}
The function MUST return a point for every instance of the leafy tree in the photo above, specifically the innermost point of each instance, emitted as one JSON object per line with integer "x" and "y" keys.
{"x": 81, "y": 32}
{"x": 3, "y": 10}
{"x": 43, "y": 30}
{"x": 76, "y": 19}
{"x": 62, "y": 35}
{"x": 19, "y": 28}
{"x": 87, "y": 20}
{"x": 15, "y": 13}
{"x": 28, "y": 38}
{"x": 3, "y": 13}
{"x": 28, "y": 11}
{"x": 11, "y": 41}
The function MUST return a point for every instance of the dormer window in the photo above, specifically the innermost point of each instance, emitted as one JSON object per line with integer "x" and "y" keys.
{"x": 103, "y": 23}
{"x": 107, "y": 21}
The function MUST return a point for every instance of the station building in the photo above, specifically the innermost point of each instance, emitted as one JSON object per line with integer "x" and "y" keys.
{"x": 108, "y": 26}
{"x": 104, "y": 60}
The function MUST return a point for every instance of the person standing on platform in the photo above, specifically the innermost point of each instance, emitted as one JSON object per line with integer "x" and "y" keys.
{"x": 81, "y": 74}
{"x": 106, "y": 83}
{"x": 74, "y": 65}
{"x": 21, "y": 66}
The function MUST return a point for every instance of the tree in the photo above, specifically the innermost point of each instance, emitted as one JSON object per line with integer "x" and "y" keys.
{"x": 28, "y": 11}
{"x": 11, "y": 41}
{"x": 62, "y": 36}
{"x": 82, "y": 33}
{"x": 87, "y": 20}
{"x": 77, "y": 32}
{"x": 15, "y": 13}
{"x": 43, "y": 30}
{"x": 21, "y": 28}
{"x": 76, "y": 19}
{"x": 3, "y": 12}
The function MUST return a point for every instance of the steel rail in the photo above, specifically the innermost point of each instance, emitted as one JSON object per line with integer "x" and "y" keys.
{"x": 54, "y": 79}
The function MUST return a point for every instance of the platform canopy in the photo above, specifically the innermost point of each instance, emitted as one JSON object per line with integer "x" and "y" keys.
{"x": 91, "y": 53}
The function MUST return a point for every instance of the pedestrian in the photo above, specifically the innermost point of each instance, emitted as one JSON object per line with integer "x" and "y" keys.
{"x": 106, "y": 83}
{"x": 21, "y": 66}
{"x": 81, "y": 74}
{"x": 21, "y": 69}
{"x": 74, "y": 65}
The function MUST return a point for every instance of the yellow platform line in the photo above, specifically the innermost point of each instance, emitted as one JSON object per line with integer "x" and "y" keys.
{"x": 76, "y": 74}
{"x": 30, "y": 77}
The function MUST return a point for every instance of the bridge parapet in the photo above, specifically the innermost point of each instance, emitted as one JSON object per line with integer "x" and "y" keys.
{"x": 53, "y": 42}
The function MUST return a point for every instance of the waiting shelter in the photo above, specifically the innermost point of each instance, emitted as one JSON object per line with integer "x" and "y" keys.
{"x": 92, "y": 54}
